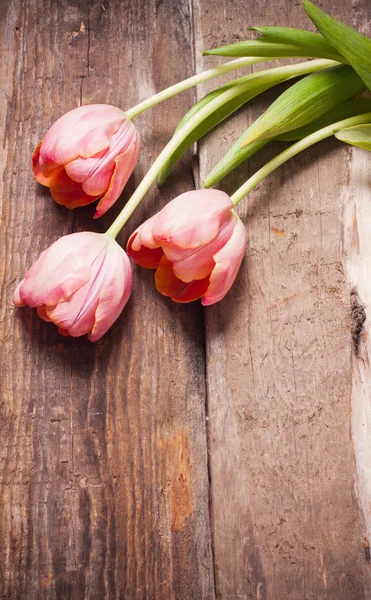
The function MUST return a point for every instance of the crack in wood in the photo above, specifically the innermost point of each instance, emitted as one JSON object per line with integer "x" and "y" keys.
{"x": 358, "y": 319}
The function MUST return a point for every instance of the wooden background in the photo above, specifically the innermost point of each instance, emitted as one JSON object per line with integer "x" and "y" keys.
{"x": 190, "y": 454}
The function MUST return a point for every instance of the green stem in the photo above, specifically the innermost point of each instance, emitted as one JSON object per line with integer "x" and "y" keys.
{"x": 232, "y": 65}
{"x": 319, "y": 135}
{"x": 271, "y": 75}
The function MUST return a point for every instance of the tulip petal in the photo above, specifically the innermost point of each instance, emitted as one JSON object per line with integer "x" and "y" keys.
{"x": 81, "y": 284}
{"x": 65, "y": 314}
{"x": 227, "y": 263}
{"x": 124, "y": 166}
{"x": 114, "y": 294}
{"x": 61, "y": 269}
{"x": 63, "y": 332}
{"x": 98, "y": 183}
{"x": 17, "y": 300}
{"x": 38, "y": 174}
{"x": 76, "y": 314}
{"x": 120, "y": 142}
{"x": 83, "y": 132}
{"x": 192, "y": 219}
{"x": 142, "y": 236}
{"x": 79, "y": 169}
{"x": 148, "y": 258}
{"x": 198, "y": 263}
{"x": 68, "y": 192}
{"x": 41, "y": 311}
{"x": 94, "y": 179}
{"x": 179, "y": 291}
{"x": 142, "y": 246}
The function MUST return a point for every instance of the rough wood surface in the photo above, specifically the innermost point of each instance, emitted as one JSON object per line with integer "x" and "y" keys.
{"x": 111, "y": 486}
{"x": 356, "y": 257}
{"x": 286, "y": 521}
{"x": 104, "y": 483}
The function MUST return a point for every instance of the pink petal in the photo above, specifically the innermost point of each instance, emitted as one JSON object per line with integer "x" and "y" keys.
{"x": 179, "y": 291}
{"x": 227, "y": 263}
{"x": 98, "y": 303}
{"x": 63, "y": 332}
{"x": 119, "y": 144}
{"x": 66, "y": 314}
{"x": 125, "y": 164}
{"x": 142, "y": 236}
{"x": 192, "y": 219}
{"x": 76, "y": 315}
{"x": 42, "y": 313}
{"x": 68, "y": 192}
{"x": 79, "y": 169}
{"x": 102, "y": 270}
{"x": 61, "y": 269}
{"x": 16, "y": 296}
{"x": 115, "y": 292}
{"x": 83, "y": 132}
{"x": 148, "y": 258}
{"x": 38, "y": 174}
{"x": 198, "y": 263}
{"x": 142, "y": 246}
{"x": 99, "y": 182}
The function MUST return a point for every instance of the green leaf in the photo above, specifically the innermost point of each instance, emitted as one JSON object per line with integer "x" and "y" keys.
{"x": 209, "y": 97}
{"x": 232, "y": 159}
{"x": 281, "y": 42}
{"x": 209, "y": 123}
{"x": 251, "y": 85}
{"x": 356, "y": 136}
{"x": 305, "y": 101}
{"x": 354, "y": 46}
{"x": 350, "y": 108}
{"x": 237, "y": 155}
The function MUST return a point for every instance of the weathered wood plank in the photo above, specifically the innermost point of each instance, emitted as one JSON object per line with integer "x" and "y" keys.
{"x": 286, "y": 520}
{"x": 104, "y": 487}
{"x": 357, "y": 258}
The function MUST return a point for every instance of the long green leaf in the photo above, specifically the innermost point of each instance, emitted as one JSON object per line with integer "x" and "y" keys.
{"x": 281, "y": 42}
{"x": 305, "y": 101}
{"x": 209, "y": 97}
{"x": 251, "y": 85}
{"x": 356, "y": 136}
{"x": 353, "y": 45}
{"x": 350, "y": 108}
{"x": 237, "y": 155}
{"x": 207, "y": 125}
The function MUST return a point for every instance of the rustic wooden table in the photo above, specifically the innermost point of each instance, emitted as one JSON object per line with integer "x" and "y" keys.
{"x": 190, "y": 454}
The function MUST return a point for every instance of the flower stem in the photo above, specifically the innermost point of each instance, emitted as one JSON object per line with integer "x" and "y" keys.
{"x": 315, "y": 137}
{"x": 277, "y": 74}
{"x": 232, "y": 65}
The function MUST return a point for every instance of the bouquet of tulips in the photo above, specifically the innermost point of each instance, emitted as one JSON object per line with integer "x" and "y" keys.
{"x": 196, "y": 242}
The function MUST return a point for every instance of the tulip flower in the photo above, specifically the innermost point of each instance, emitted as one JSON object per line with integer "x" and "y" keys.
{"x": 89, "y": 153}
{"x": 196, "y": 244}
{"x": 81, "y": 283}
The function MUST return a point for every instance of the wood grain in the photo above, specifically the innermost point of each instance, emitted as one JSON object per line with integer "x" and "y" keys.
{"x": 356, "y": 257}
{"x": 286, "y": 520}
{"x": 104, "y": 483}
{"x": 110, "y": 484}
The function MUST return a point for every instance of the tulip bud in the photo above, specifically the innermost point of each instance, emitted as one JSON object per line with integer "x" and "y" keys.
{"x": 89, "y": 153}
{"x": 196, "y": 244}
{"x": 81, "y": 283}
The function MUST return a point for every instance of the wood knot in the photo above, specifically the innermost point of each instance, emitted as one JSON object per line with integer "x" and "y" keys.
{"x": 358, "y": 319}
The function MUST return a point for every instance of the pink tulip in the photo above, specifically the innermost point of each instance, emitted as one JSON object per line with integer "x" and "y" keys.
{"x": 196, "y": 243}
{"x": 81, "y": 283}
{"x": 88, "y": 153}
